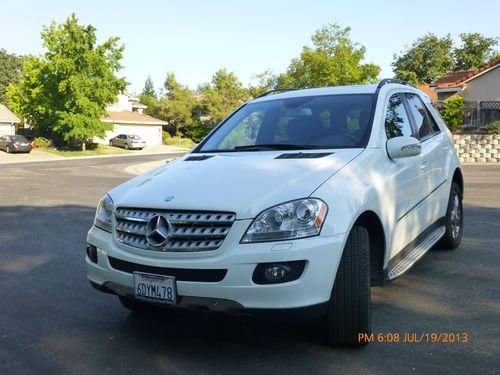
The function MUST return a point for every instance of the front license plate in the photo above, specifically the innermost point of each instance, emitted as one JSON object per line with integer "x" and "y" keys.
{"x": 155, "y": 288}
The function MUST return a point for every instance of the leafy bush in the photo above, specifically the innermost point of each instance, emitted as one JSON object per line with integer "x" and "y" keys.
{"x": 494, "y": 127}
{"x": 453, "y": 112}
{"x": 44, "y": 142}
{"x": 197, "y": 132}
{"x": 176, "y": 141}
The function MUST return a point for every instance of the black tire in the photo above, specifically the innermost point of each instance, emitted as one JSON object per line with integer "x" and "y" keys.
{"x": 349, "y": 310}
{"x": 8, "y": 150}
{"x": 111, "y": 143}
{"x": 135, "y": 305}
{"x": 126, "y": 146}
{"x": 454, "y": 221}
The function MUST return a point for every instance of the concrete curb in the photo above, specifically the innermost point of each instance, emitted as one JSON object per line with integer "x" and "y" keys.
{"x": 69, "y": 158}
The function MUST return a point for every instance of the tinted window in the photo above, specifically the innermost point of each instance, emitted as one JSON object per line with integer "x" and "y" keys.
{"x": 419, "y": 113}
{"x": 434, "y": 125}
{"x": 327, "y": 121}
{"x": 397, "y": 123}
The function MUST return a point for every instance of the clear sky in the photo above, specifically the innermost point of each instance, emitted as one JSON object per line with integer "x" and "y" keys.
{"x": 195, "y": 38}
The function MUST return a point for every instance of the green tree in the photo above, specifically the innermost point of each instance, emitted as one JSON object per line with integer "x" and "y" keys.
{"x": 476, "y": 50}
{"x": 176, "y": 106}
{"x": 453, "y": 112}
{"x": 149, "y": 98}
{"x": 66, "y": 90}
{"x": 222, "y": 96}
{"x": 428, "y": 58}
{"x": 10, "y": 70}
{"x": 334, "y": 59}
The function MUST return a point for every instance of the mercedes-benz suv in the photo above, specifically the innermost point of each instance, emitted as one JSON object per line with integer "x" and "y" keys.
{"x": 300, "y": 199}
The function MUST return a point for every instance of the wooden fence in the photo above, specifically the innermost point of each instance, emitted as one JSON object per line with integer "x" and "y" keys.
{"x": 477, "y": 115}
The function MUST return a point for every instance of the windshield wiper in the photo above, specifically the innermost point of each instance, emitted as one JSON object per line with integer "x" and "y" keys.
{"x": 274, "y": 146}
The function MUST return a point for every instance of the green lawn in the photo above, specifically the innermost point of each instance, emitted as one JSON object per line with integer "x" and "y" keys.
{"x": 100, "y": 150}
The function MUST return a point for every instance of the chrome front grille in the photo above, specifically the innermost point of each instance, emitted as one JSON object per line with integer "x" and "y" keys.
{"x": 189, "y": 231}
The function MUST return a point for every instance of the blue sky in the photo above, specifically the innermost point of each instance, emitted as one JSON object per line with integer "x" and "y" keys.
{"x": 195, "y": 38}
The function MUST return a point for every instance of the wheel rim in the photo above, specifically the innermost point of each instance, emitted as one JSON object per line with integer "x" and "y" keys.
{"x": 455, "y": 216}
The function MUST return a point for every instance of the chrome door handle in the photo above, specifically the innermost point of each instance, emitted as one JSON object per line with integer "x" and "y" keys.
{"x": 424, "y": 164}
{"x": 446, "y": 148}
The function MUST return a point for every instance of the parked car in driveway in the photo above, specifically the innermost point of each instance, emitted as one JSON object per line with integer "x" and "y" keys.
{"x": 15, "y": 143}
{"x": 298, "y": 200}
{"x": 128, "y": 141}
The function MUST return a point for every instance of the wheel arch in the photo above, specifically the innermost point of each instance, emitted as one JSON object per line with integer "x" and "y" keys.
{"x": 371, "y": 221}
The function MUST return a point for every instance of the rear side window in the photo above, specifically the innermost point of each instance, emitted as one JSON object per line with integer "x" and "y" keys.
{"x": 397, "y": 123}
{"x": 420, "y": 115}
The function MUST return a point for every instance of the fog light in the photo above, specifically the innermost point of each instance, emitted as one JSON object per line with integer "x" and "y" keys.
{"x": 92, "y": 253}
{"x": 275, "y": 273}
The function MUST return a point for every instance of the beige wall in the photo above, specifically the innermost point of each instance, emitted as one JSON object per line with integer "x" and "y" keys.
{"x": 486, "y": 87}
{"x": 7, "y": 129}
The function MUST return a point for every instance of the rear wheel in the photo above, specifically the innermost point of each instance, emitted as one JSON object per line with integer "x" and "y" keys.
{"x": 454, "y": 220}
{"x": 8, "y": 149}
{"x": 111, "y": 143}
{"x": 349, "y": 308}
{"x": 126, "y": 146}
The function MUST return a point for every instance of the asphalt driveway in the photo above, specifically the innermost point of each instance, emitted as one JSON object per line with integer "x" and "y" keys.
{"x": 52, "y": 321}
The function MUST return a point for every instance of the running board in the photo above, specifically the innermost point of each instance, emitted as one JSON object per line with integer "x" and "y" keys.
{"x": 410, "y": 258}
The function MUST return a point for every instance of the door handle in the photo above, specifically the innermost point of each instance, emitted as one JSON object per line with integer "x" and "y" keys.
{"x": 446, "y": 148}
{"x": 424, "y": 164}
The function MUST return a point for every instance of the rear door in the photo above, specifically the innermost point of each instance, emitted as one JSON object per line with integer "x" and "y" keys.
{"x": 431, "y": 158}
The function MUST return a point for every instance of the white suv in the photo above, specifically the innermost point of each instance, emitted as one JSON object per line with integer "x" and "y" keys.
{"x": 300, "y": 199}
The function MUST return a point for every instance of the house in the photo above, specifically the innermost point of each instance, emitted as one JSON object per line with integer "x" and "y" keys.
{"x": 480, "y": 85}
{"x": 429, "y": 91}
{"x": 128, "y": 117}
{"x": 8, "y": 121}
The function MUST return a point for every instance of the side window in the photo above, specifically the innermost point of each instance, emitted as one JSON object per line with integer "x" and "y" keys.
{"x": 397, "y": 123}
{"x": 432, "y": 121}
{"x": 419, "y": 113}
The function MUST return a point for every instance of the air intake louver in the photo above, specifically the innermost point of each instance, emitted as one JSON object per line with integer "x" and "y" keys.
{"x": 304, "y": 155}
{"x": 198, "y": 158}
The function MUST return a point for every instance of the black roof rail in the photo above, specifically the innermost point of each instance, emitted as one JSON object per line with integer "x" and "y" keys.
{"x": 392, "y": 80}
{"x": 272, "y": 92}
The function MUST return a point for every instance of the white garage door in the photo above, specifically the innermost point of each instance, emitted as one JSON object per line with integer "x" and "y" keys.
{"x": 150, "y": 133}
{"x": 7, "y": 129}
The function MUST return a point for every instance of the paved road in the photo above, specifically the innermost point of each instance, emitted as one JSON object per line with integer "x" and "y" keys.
{"x": 51, "y": 321}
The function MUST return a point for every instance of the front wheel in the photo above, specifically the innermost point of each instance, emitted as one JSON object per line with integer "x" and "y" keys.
{"x": 126, "y": 146}
{"x": 111, "y": 143}
{"x": 8, "y": 150}
{"x": 348, "y": 319}
{"x": 454, "y": 221}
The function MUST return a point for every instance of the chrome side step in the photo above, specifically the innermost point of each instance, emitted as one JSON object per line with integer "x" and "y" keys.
{"x": 410, "y": 258}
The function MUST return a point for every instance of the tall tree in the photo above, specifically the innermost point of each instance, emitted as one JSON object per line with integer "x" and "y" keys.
{"x": 476, "y": 50}
{"x": 176, "y": 106}
{"x": 149, "y": 98}
{"x": 334, "y": 59}
{"x": 428, "y": 58}
{"x": 222, "y": 96}
{"x": 10, "y": 70}
{"x": 66, "y": 90}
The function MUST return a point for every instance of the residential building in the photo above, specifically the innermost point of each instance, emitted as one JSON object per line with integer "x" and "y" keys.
{"x": 8, "y": 121}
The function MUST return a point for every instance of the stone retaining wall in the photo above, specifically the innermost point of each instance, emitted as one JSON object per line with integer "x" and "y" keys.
{"x": 477, "y": 148}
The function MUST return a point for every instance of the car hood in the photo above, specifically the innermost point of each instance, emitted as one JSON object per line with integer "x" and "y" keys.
{"x": 242, "y": 182}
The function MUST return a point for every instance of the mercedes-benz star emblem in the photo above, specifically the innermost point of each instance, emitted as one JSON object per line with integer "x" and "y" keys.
{"x": 157, "y": 231}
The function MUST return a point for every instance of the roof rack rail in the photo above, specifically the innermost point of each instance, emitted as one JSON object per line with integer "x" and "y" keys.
{"x": 392, "y": 80}
{"x": 273, "y": 92}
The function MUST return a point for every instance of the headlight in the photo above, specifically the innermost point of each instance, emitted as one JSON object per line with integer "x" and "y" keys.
{"x": 104, "y": 213}
{"x": 291, "y": 220}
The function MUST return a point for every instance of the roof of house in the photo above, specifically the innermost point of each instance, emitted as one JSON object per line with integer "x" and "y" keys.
{"x": 139, "y": 105}
{"x": 7, "y": 116}
{"x": 427, "y": 89}
{"x": 455, "y": 79}
{"x": 129, "y": 117}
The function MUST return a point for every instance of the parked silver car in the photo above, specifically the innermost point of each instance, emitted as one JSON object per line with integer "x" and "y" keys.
{"x": 128, "y": 141}
{"x": 15, "y": 143}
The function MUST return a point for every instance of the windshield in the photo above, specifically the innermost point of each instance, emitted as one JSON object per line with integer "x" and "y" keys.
{"x": 18, "y": 138}
{"x": 329, "y": 121}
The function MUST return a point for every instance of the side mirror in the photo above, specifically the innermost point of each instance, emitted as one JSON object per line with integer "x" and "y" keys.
{"x": 403, "y": 147}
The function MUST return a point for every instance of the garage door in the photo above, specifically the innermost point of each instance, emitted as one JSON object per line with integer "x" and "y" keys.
{"x": 150, "y": 133}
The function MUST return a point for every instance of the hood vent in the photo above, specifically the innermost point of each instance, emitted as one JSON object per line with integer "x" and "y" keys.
{"x": 198, "y": 158}
{"x": 304, "y": 155}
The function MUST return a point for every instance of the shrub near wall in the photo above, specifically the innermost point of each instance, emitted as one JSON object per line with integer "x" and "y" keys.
{"x": 477, "y": 148}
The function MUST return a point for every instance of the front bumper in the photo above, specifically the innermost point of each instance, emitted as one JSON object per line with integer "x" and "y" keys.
{"x": 236, "y": 290}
